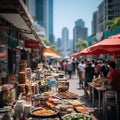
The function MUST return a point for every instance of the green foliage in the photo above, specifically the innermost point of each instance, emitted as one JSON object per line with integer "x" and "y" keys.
{"x": 113, "y": 24}
{"x": 48, "y": 43}
{"x": 81, "y": 44}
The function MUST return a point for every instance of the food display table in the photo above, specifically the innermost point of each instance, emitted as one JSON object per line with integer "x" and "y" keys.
{"x": 41, "y": 102}
{"x": 63, "y": 104}
{"x": 100, "y": 90}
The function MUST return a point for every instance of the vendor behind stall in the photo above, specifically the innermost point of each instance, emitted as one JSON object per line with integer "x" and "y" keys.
{"x": 114, "y": 77}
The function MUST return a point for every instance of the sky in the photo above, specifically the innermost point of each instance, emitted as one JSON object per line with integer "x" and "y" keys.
{"x": 66, "y": 12}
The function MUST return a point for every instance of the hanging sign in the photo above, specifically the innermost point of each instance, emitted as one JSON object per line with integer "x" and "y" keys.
{"x": 31, "y": 44}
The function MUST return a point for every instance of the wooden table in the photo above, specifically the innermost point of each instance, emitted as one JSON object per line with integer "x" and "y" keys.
{"x": 91, "y": 89}
{"x": 100, "y": 90}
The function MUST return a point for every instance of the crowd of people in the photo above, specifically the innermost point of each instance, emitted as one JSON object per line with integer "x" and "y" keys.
{"x": 88, "y": 70}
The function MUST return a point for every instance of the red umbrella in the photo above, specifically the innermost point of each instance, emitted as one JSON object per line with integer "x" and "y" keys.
{"x": 115, "y": 36}
{"x": 106, "y": 46}
{"x": 110, "y": 45}
{"x": 83, "y": 52}
{"x": 74, "y": 54}
{"x": 87, "y": 51}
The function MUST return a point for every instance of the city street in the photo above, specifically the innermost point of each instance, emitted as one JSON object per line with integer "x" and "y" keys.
{"x": 74, "y": 87}
{"x": 48, "y": 48}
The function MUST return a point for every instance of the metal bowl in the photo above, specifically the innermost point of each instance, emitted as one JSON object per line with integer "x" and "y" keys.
{"x": 62, "y": 88}
{"x": 56, "y": 112}
{"x": 41, "y": 97}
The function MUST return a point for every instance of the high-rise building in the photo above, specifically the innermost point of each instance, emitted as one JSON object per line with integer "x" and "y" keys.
{"x": 31, "y": 6}
{"x": 51, "y": 36}
{"x": 107, "y": 10}
{"x": 79, "y": 32}
{"x": 65, "y": 38}
{"x": 80, "y": 22}
{"x": 59, "y": 43}
{"x": 42, "y": 12}
{"x": 95, "y": 22}
{"x": 101, "y": 17}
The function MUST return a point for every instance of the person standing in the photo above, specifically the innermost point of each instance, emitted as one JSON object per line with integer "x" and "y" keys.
{"x": 104, "y": 69}
{"x": 114, "y": 78}
{"x": 97, "y": 69}
{"x": 64, "y": 63}
{"x": 69, "y": 69}
{"x": 80, "y": 73}
{"x": 83, "y": 71}
{"x": 89, "y": 72}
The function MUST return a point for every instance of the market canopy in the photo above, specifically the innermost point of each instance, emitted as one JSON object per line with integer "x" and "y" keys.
{"x": 82, "y": 52}
{"x": 110, "y": 45}
{"x": 15, "y": 12}
{"x": 50, "y": 52}
{"x": 106, "y": 46}
{"x": 86, "y": 51}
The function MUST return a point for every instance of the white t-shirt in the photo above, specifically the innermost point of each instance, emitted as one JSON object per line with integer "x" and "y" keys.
{"x": 83, "y": 67}
{"x": 80, "y": 66}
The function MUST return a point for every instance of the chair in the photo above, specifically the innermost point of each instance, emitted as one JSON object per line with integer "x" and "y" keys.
{"x": 111, "y": 101}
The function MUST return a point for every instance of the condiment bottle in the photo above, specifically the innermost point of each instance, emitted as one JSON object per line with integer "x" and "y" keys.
{"x": 19, "y": 108}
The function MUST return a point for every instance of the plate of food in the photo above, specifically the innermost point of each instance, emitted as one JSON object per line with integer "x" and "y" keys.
{"x": 83, "y": 109}
{"x": 67, "y": 95}
{"x": 44, "y": 112}
{"x": 76, "y": 102}
{"x": 77, "y": 116}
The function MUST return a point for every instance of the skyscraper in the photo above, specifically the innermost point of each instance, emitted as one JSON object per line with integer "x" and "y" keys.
{"x": 107, "y": 10}
{"x": 95, "y": 22}
{"x": 51, "y": 36}
{"x": 59, "y": 43}
{"x": 80, "y": 23}
{"x": 79, "y": 32}
{"x": 42, "y": 12}
{"x": 65, "y": 38}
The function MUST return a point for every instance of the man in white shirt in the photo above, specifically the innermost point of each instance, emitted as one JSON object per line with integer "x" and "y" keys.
{"x": 80, "y": 74}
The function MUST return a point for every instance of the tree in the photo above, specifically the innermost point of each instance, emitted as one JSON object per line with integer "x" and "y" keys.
{"x": 46, "y": 42}
{"x": 81, "y": 44}
{"x": 113, "y": 24}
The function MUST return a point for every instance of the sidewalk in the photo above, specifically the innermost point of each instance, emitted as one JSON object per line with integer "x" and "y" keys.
{"x": 74, "y": 87}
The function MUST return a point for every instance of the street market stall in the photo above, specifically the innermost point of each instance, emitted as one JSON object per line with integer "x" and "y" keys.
{"x": 50, "y": 52}
{"x": 50, "y": 103}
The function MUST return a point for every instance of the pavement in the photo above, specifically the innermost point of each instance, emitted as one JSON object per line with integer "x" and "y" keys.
{"x": 75, "y": 88}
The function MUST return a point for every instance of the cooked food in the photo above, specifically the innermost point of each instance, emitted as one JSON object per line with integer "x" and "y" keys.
{"x": 83, "y": 109}
{"x": 76, "y": 102}
{"x": 67, "y": 94}
{"x": 43, "y": 111}
{"x": 77, "y": 116}
{"x": 52, "y": 105}
{"x": 98, "y": 81}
